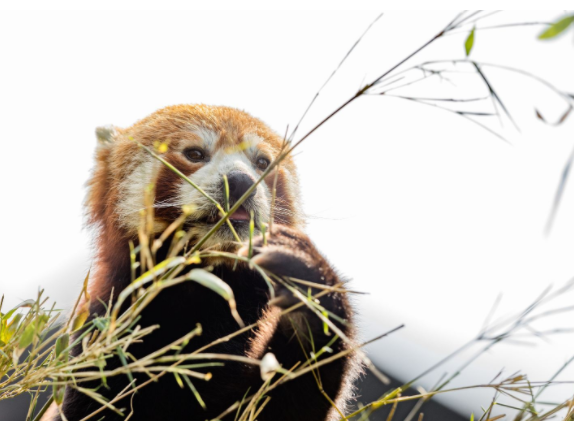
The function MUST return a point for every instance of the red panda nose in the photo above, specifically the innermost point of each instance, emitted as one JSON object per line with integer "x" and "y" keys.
{"x": 239, "y": 183}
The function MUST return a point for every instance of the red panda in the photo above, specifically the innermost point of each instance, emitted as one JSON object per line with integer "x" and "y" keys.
{"x": 205, "y": 143}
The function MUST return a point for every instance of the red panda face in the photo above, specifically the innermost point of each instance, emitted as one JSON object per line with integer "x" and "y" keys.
{"x": 205, "y": 158}
{"x": 205, "y": 144}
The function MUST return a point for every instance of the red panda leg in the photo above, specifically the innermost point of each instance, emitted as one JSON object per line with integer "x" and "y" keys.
{"x": 296, "y": 336}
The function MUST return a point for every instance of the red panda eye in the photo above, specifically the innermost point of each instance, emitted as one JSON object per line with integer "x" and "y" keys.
{"x": 195, "y": 154}
{"x": 262, "y": 163}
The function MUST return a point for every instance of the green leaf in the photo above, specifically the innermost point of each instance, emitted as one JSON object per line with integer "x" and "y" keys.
{"x": 31, "y": 330}
{"x": 84, "y": 311}
{"x": 27, "y": 336}
{"x": 101, "y": 363}
{"x": 557, "y": 27}
{"x": 61, "y": 344}
{"x": 472, "y": 417}
{"x": 3, "y": 333}
{"x": 27, "y": 303}
{"x": 194, "y": 391}
{"x": 101, "y": 323}
{"x": 7, "y": 330}
{"x": 211, "y": 281}
{"x": 252, "y": 227}
{"x": 325, "y": 325}
{"x": 179, "y": 380}
{"x": 40, "y": 323}
{"x": 227, "y": 195}
{"x": 469, "y": 42}
{"x": 58, "y": 391}
{"x": 80, "y": 319}
{"x": 100, "y": 399}
{"x": 124, "y": 361}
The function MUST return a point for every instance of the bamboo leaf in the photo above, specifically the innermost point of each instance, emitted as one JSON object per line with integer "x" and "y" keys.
{"x": 8, "y": 330}
{"x": 325, "y": 326}
{"x": 100, "y": 399}
{"x": 58, "y": 391}
{"x": 227, "y": 193}
{"x": 250, "y": 245}
{"x": 27, "y": 303}
{"x": 493, "y": 93}
{"x": 124, "y": 362}
{"x": 469, "y": 42}
{"x": 211, "y": 281}
{"x": 27, "y": 336}
{"x": 178, "y": 379}
{"x": 195, "y": 392}
{"x": 80, "y": 319}
{"x": 559, "y": 193}
{"x": 149, "y": 276}
{"x": 31, "y": 330}
{"x": 61, "y": 344}
{"x": 84, "y": 311}
{"x": 557, "y": 28}
{"x": 4, "y": 333}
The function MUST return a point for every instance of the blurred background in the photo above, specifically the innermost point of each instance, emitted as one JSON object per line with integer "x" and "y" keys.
{"x": 461, "y": 213}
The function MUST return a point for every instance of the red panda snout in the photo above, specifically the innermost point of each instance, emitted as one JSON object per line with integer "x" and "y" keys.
{"x": 241, "y": 175}
{"x": 238, "y": 184}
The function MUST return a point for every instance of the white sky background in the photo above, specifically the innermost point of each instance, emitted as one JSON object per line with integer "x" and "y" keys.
{"x": 430, "y": 214}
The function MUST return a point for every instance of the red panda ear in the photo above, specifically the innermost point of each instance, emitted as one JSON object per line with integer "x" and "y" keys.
{"x": 100, "y": 184}
{"x": 106, "y": 136}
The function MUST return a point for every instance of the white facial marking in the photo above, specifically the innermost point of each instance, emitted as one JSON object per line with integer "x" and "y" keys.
{"x": 209, "y": 137}
{"x": 132, "y": 192}
{"x": 251, "y": 141}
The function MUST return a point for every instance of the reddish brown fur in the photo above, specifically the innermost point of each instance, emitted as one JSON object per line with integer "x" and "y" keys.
{"x": 289, "y": 253}
{"x": 172, "y": 125}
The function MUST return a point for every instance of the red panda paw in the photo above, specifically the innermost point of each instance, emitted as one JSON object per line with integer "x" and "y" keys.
{"x": 290, "y": 255}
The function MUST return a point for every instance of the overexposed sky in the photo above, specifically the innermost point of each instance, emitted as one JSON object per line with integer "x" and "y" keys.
{"x": 429, "y": 213}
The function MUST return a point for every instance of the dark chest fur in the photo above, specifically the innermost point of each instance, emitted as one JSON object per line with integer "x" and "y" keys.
{"x": 177, "y": 311}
